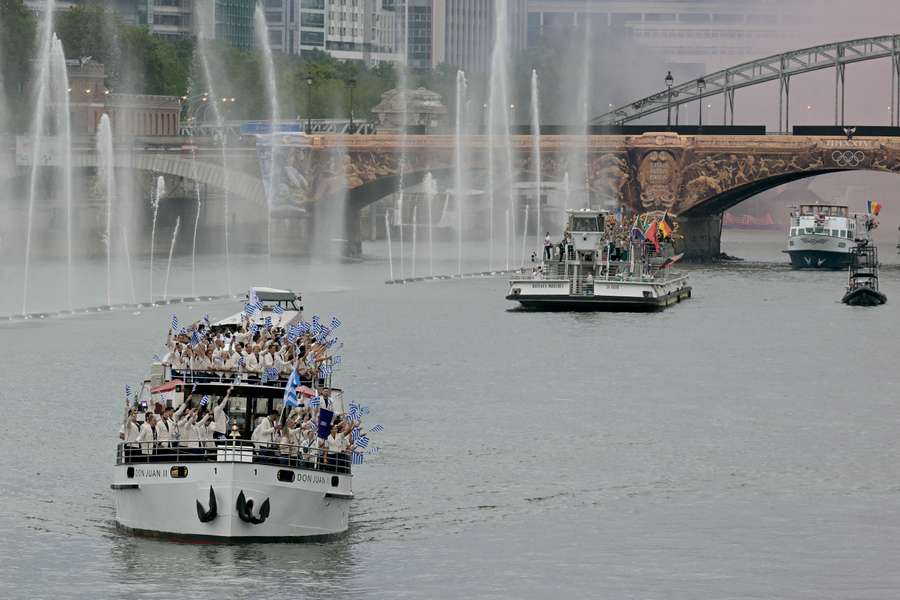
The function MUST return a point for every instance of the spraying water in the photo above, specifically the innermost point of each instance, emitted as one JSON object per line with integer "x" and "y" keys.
{"x": 508, "y": 240}
{"x": 430, "y": 193}
{"x": 458, "y": 165}
{"x": 536, "y": 155}
{"x": 60, "y": 79}
{"x": 262, "y": 40}
{"x": 107, "y": 171}
{"x": 37, "y": 132}
{"x": 567, "y": 193}
{"x": 402, "y": 82}
{"x": 524, "y": 236}
{"x": 415, "y": 223}
{"x": 584, "y": 117}
{"x": 128, "y": 263}
{"x": 171, "y": 252}
{"x": 220, "y": 124}
{"x": 194, "y": 244}
{"x": 387, "y": 229}
{"x": 400, "y": 224}
{"x": 160, "y": 191}
{"x": 498, "y": 112}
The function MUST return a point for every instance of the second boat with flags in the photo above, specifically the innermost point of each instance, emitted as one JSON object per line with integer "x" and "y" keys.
{"x": 604, "y": 265}
{"x": 242, "y": 445}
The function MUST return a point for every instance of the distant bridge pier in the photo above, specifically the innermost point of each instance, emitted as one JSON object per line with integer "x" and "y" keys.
{"x": 702, "y": 237}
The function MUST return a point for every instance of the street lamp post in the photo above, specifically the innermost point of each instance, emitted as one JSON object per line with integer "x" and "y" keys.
{"x": 701, "y": 85}
{"x": 351, "y": 83}
{"x": 309, "y": 84}
{"x": 669, "y": 81}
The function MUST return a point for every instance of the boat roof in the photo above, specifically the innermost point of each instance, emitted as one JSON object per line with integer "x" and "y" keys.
{"x": 267, "y": 294}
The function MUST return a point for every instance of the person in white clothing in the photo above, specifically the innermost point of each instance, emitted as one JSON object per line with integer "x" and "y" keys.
{"x": 165, "y": 429}
{"x": 264, "y": 433}
{"x": 220, "y": 417}
{"x": 336, "y": 446}
{"x": 309, "y": 449}
{"x": 147, "y": 435}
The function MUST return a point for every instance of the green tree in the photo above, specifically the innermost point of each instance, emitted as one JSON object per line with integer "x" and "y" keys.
{"x": 17, "y": 45}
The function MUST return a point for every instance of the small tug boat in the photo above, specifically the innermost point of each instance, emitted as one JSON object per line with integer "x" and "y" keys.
{"x": 235, "y": 488}
{"x": 603, "y": 267}
{"x": 862, "y": 285}
{"x": 821, "y": 236}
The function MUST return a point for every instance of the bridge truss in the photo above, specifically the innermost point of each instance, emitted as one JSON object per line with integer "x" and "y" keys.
{"x": 781, "y": 68}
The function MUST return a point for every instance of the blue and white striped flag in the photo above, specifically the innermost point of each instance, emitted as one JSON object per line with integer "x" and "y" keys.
{"x": 353, "y": 412}
{"x": 335, "y": 323}
{"x": 241, "y": 362}
{"x": 324, "y": 371}
{"x": 354, "y": 434}
{"x": 268, "y": 322}
{"x": 206, "y": 319}
{"x": 336, "y": 360}
{"x": 195, "y": 339}
{"x": 315, "y": 402}
{"x": 183, "y": 331}
{"x": 293, "y": 333}
{"x": 290, "y": 390}
{"x": 278, "y": 310}
{"x": 315, "y": 320}
{"x": 373, "y": 450}
{"x": 271, "y": 374}
{"x": 128, "y": 393}
{"x": 364, "y": 410}
{"x": 357, "y": 458}
{"x": 249, "y": 309}
{"x": 362, "y": 441}
{"x": 254, "y": 328}
{"x": 258, "y": 305}
{"x": 376, "y": 428}
{"x": 304, "y": 327}
{"x": 204, "y": 400}
{"x": 174, "y": 323}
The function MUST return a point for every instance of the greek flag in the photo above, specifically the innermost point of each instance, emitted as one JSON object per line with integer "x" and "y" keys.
{"x": 376, "y": 428}
{"x": 268, "y": 322}
{"x": 206, "y": 319}
{"x": 195, "y": 339}
{"x": 363, "y": 410}
{"x": 357, "y": 458}
{"x": 174, "y": 323}
{"x": 290, "y": 390}
{"x": 278, "y": 310}
{"x": 315, "y": 320}
{"x": 337, "y": 359}
{"x": 128, "y": 393}
{"x": 205, "y": 400}
{"x": 335, "y": 323}
{"x": 362, "y": 441}
{"x": 354, "y": 434}
{"x": 324, "y": 371}
{"x": 254, "y": 328}
{"x": 373, "y": 450}
{"x": 241, "y": 362}
{"x": 183, "y": 331}
{"x": 259, "y": 305}
{"x": 353, "y": 412}
{"x": 315, "y": 402}
{"x": 293, "y": 333}
{"x": 271, "y": 374}
{"x": 249, "y": 309}
{"x": 304, "y": 327}
{"x": 315, "y": 329}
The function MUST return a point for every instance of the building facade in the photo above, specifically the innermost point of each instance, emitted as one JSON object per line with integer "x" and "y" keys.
{"x": 463, "y": 32}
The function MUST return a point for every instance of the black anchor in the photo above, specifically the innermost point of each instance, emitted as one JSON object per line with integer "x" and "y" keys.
{"x": 204, "y": 515}
{"x": 245, "y": 510}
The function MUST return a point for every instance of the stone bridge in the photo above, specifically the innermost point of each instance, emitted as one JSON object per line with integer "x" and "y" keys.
{"x": 695, "y": 177}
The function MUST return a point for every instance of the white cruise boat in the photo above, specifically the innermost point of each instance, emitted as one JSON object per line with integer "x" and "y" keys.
{"x": 604, "y": 268}
{"x": 235, "y": 489}
{"x": 822, "y": 236}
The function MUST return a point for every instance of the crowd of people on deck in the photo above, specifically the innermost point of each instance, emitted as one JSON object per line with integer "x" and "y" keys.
{"x": 290, "y": 437}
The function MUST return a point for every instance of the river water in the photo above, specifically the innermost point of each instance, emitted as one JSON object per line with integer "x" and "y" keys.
{"x": 742, "y": 444}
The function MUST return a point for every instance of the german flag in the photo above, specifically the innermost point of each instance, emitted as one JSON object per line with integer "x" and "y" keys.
{"x": 665, "y": 226}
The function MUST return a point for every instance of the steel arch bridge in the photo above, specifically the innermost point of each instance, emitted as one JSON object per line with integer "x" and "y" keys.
{"x": 781, "y": 68}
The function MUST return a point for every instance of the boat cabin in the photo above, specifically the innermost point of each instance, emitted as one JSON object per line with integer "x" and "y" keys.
{"x": 290, "y": 311}
{"x": 586, "y": 228}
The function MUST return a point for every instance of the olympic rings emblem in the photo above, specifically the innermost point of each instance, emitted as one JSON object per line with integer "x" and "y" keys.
{"x": 848, "y": 158}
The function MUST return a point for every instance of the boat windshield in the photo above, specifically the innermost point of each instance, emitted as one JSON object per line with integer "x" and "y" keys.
{"x": 585, "y": 223}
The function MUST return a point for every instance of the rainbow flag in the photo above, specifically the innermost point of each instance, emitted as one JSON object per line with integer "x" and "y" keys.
{"x": 873, "y": 207}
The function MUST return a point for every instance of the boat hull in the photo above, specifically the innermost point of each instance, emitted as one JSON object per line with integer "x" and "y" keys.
{"x": 818, "y": 259}
{"x": 600, "y": 303}
{"x": 303, "y": 505}
{"x": 864, "y": 296}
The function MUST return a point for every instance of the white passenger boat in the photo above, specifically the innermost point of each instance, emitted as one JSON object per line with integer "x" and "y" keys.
{"x": 234, "y": 489}
{"x": 822, "y": 236}
{"x": 604, "y": 268}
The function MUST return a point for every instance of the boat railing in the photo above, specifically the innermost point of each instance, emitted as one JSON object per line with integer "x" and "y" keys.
{"x": 239, "y": 377}
{"x": 234, "y": 451}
